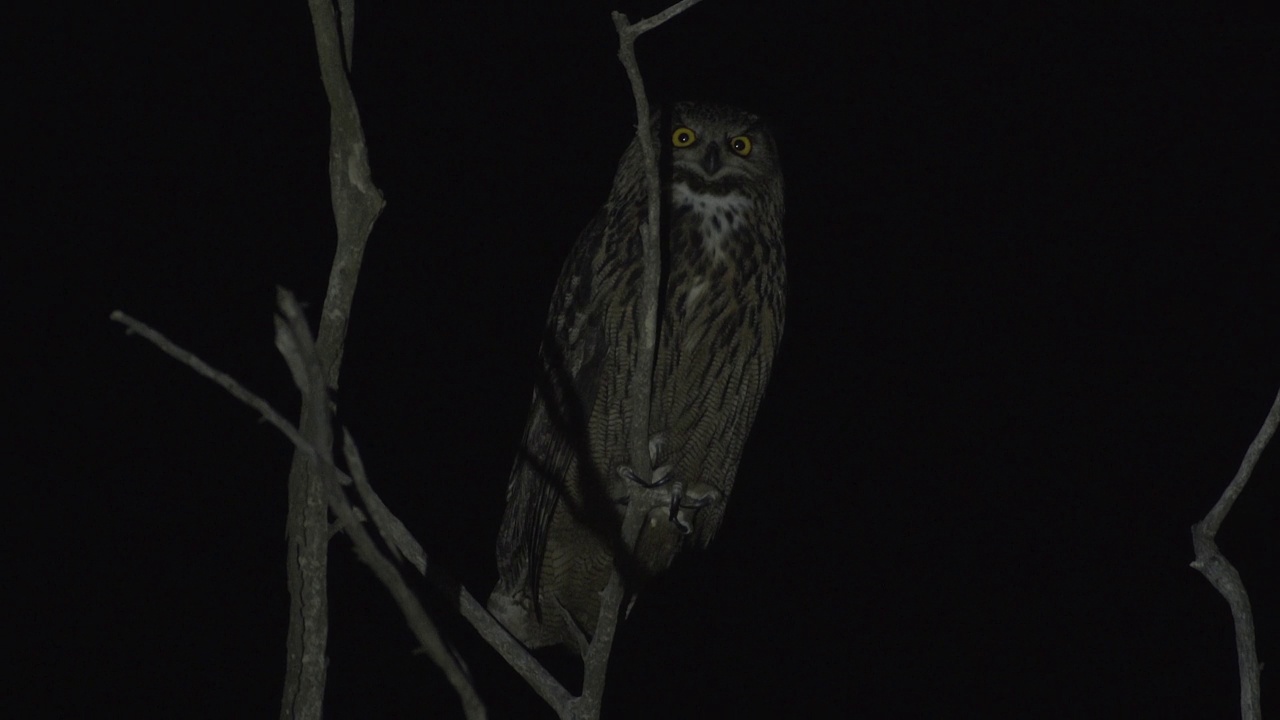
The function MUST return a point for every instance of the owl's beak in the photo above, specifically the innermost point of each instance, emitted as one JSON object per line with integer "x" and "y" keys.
{"x": 711, "y": 161}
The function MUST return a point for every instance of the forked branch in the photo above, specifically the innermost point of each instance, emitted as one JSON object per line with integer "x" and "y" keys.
{"x": 293, "y": 339}
{"x": 1223, "y": 575}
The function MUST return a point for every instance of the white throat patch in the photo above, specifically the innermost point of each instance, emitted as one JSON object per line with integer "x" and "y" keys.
{"x": 719, "y": 215}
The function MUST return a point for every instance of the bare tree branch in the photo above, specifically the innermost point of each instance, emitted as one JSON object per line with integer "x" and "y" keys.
{"x": 315, "y": 483}
{"x": 642, "y": 378}
{"x": 347, "y": 11}
{"x": 538, "y": 678}
{"x": 400, "y": 542}
{"x": 293, "y": 338}
{"x": 596, "y": 659}
{"x": 357, "y": 202}
{"x": 356, "y": 205}
{"x": 227, "y": 382}
{"x": 1223, "y": 575}
{"x": 307, "y": 528}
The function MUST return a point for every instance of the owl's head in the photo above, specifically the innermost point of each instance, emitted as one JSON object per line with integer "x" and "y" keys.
{"x": 717, "y": 149}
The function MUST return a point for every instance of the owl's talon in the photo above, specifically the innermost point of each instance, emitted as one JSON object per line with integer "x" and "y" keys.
{"x": 682, "y": 525}
{"x": 694, "y": 498}
{"x": 678, "y": 515}
{"x": 699, "y": 497}
{"x": 657, "y": 443}
{"x": 677, "y": 492}
{"x": 664, "y": 489}
{"x": 661, "y": 476}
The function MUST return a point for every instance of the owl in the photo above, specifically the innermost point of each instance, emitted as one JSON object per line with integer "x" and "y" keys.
{"x": 722, "y": 297}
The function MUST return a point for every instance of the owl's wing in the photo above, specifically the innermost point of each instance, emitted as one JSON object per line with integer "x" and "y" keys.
{"x": 555, "y": 438}
{"x": 728, "y": 428}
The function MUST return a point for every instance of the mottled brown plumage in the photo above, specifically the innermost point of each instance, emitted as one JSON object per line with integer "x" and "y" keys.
{"x": 721, "y": 317}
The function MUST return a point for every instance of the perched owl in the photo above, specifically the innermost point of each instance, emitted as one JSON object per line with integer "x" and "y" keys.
{"x": 720, "y": 319}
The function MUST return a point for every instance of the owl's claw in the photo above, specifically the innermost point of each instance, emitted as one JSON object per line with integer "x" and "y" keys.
{"x": 698, "y": 496}
{"x": 661, "y": 476}
{"x": 677, "y": 494}
{"x": 663, "y": 491}
{"x": 660, "y": 491}
{"x": 667, "y": 490}
{"x": 661, "y": 473}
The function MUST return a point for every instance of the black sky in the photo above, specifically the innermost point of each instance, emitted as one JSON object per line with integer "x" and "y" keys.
{"x": 1034, "y": 322}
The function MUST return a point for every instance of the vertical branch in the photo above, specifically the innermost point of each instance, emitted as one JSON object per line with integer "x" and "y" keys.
{"x": 356, "y": 201}
{"x": 307, "y": 530}
{"x": 356, "y": 205}
{"x": 1223, "y": 575}
{"x": 596, "y": 659}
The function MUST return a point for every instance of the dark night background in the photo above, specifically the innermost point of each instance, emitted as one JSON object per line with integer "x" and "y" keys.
{"x": 1034, "y": 322}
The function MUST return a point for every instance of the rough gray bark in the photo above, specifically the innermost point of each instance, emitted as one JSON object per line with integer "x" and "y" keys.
{"x": 1223, "y": 575}
{"x": 356, "y": 205}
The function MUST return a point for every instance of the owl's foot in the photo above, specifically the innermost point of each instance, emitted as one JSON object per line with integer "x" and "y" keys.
{"x": 661, "y": 473}
{"x": 696, "y": 497}
{"x": 665, "y": 491}
{"x": 637, "y": 489}
{"x": 661, "y": 476}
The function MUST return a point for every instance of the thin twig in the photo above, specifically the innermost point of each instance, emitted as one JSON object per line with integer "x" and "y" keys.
{"x": 644, "y": 25}
{"x": 1213, "y": 520}
{"x": 228, "y": 383}
{"x": 397, "y": 537}
{"x": 1226, "y": 579}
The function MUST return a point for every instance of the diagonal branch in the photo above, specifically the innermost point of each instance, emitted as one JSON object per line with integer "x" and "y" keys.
{"x": 1226, "y": 579}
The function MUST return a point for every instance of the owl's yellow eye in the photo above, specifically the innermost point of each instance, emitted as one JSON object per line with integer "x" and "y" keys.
{"x": 741, "y": 145}
{"x": 683, "y": 137}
